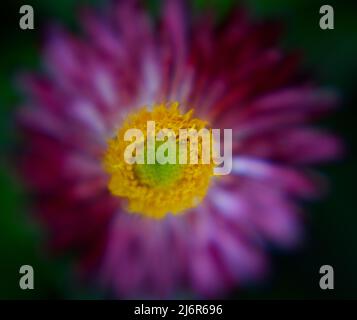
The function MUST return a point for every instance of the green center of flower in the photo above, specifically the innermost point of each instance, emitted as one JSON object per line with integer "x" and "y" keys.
{"x": 158, "y": 175}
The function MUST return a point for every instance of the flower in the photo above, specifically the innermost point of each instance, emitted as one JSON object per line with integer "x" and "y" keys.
{"x": 232, "y": 75}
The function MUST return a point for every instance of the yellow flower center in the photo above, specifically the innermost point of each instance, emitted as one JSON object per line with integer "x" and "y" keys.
{"x": 155, "y": 189}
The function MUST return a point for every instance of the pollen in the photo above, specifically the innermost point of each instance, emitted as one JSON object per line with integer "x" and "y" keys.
{"x": 155, "y": 189}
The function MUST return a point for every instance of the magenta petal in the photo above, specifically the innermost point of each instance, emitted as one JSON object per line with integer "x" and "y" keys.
{"x": 284, "y": 178}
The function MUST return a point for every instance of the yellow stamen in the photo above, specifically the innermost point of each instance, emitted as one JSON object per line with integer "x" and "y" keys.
{"x": 155, "y": 190}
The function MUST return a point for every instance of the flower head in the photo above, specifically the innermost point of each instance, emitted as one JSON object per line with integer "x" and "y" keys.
{"x": 161, "y": 228}
{"x": 156, "y": 189}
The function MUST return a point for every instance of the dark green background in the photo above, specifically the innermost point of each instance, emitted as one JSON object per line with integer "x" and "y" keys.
{"x": 331, "y": 231}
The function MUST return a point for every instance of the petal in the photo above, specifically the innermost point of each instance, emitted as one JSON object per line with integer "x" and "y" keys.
{"x": 284, "y": 178}
{"x": 295, "y": 146}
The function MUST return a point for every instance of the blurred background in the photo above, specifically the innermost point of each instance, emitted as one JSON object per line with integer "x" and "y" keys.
{"x": 332, "y": 224}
